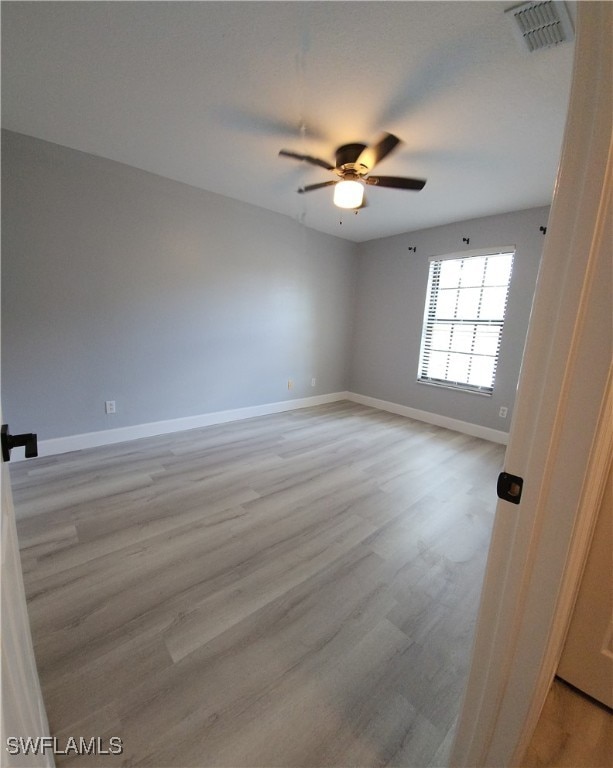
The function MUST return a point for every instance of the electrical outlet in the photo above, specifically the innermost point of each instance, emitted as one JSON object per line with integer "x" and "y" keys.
{"x": 503, "y": 411}
{"x": 109, "y": 406}
{"x": 290, "y": 383}
{"x": 313, "y": 381}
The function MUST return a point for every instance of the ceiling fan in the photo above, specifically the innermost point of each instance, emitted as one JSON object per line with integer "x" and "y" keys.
{"x": 354, "y": 163}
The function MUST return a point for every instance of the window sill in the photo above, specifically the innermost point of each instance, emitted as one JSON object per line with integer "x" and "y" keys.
{"x": 455, "y": 388}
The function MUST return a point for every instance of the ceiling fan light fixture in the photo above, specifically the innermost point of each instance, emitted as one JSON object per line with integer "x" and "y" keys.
{"x": 348, "y": 194}
{"x": 354, "y": 163}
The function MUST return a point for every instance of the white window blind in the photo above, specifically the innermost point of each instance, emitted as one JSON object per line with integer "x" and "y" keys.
{"x": 463, "y": 319}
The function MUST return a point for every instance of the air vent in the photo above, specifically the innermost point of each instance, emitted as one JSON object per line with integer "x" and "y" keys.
{"x": 539, "y": 25}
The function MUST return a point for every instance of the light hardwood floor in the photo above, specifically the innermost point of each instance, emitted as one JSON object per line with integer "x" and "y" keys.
{"x": 573, "y": 731}
{"x": 292, "y": 590}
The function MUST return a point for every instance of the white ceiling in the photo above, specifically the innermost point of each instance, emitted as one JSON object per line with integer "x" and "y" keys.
{"x": 207, "y": 93}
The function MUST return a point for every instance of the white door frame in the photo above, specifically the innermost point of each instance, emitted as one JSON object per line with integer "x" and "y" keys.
{"x": 23, "y": 710}
{"x": 556, "y": 444}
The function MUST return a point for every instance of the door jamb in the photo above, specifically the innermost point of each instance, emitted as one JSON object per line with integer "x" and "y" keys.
{"x": 538, "y": 549}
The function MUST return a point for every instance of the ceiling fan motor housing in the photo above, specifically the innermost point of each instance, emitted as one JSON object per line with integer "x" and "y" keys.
{"x": 348, "y": 154}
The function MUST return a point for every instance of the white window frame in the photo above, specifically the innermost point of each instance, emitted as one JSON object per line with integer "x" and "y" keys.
{"x": 471, "y": 324}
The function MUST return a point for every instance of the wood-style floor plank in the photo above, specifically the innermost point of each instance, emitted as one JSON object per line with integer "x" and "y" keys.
{"x": 292, "y": 590}
{"x": 573, "y": 731}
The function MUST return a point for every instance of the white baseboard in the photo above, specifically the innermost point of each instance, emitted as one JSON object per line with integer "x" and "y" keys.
{"x": 475, "y": 430}
{"x": 58, "y": 445}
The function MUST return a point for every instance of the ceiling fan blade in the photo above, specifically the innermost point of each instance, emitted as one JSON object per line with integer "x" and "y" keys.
{"x": 307, "y": 159}
{"x": 311, "y": 187}
{"x": 372, "y": 155}
{"x": 396, "y": 182}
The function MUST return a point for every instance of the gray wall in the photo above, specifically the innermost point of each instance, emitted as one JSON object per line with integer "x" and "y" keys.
{"x": 121, "y": 285}
{"x": 390, "y": 296}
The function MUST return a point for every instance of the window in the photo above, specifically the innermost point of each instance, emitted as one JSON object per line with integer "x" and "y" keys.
{"x": 463, "y": 319}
